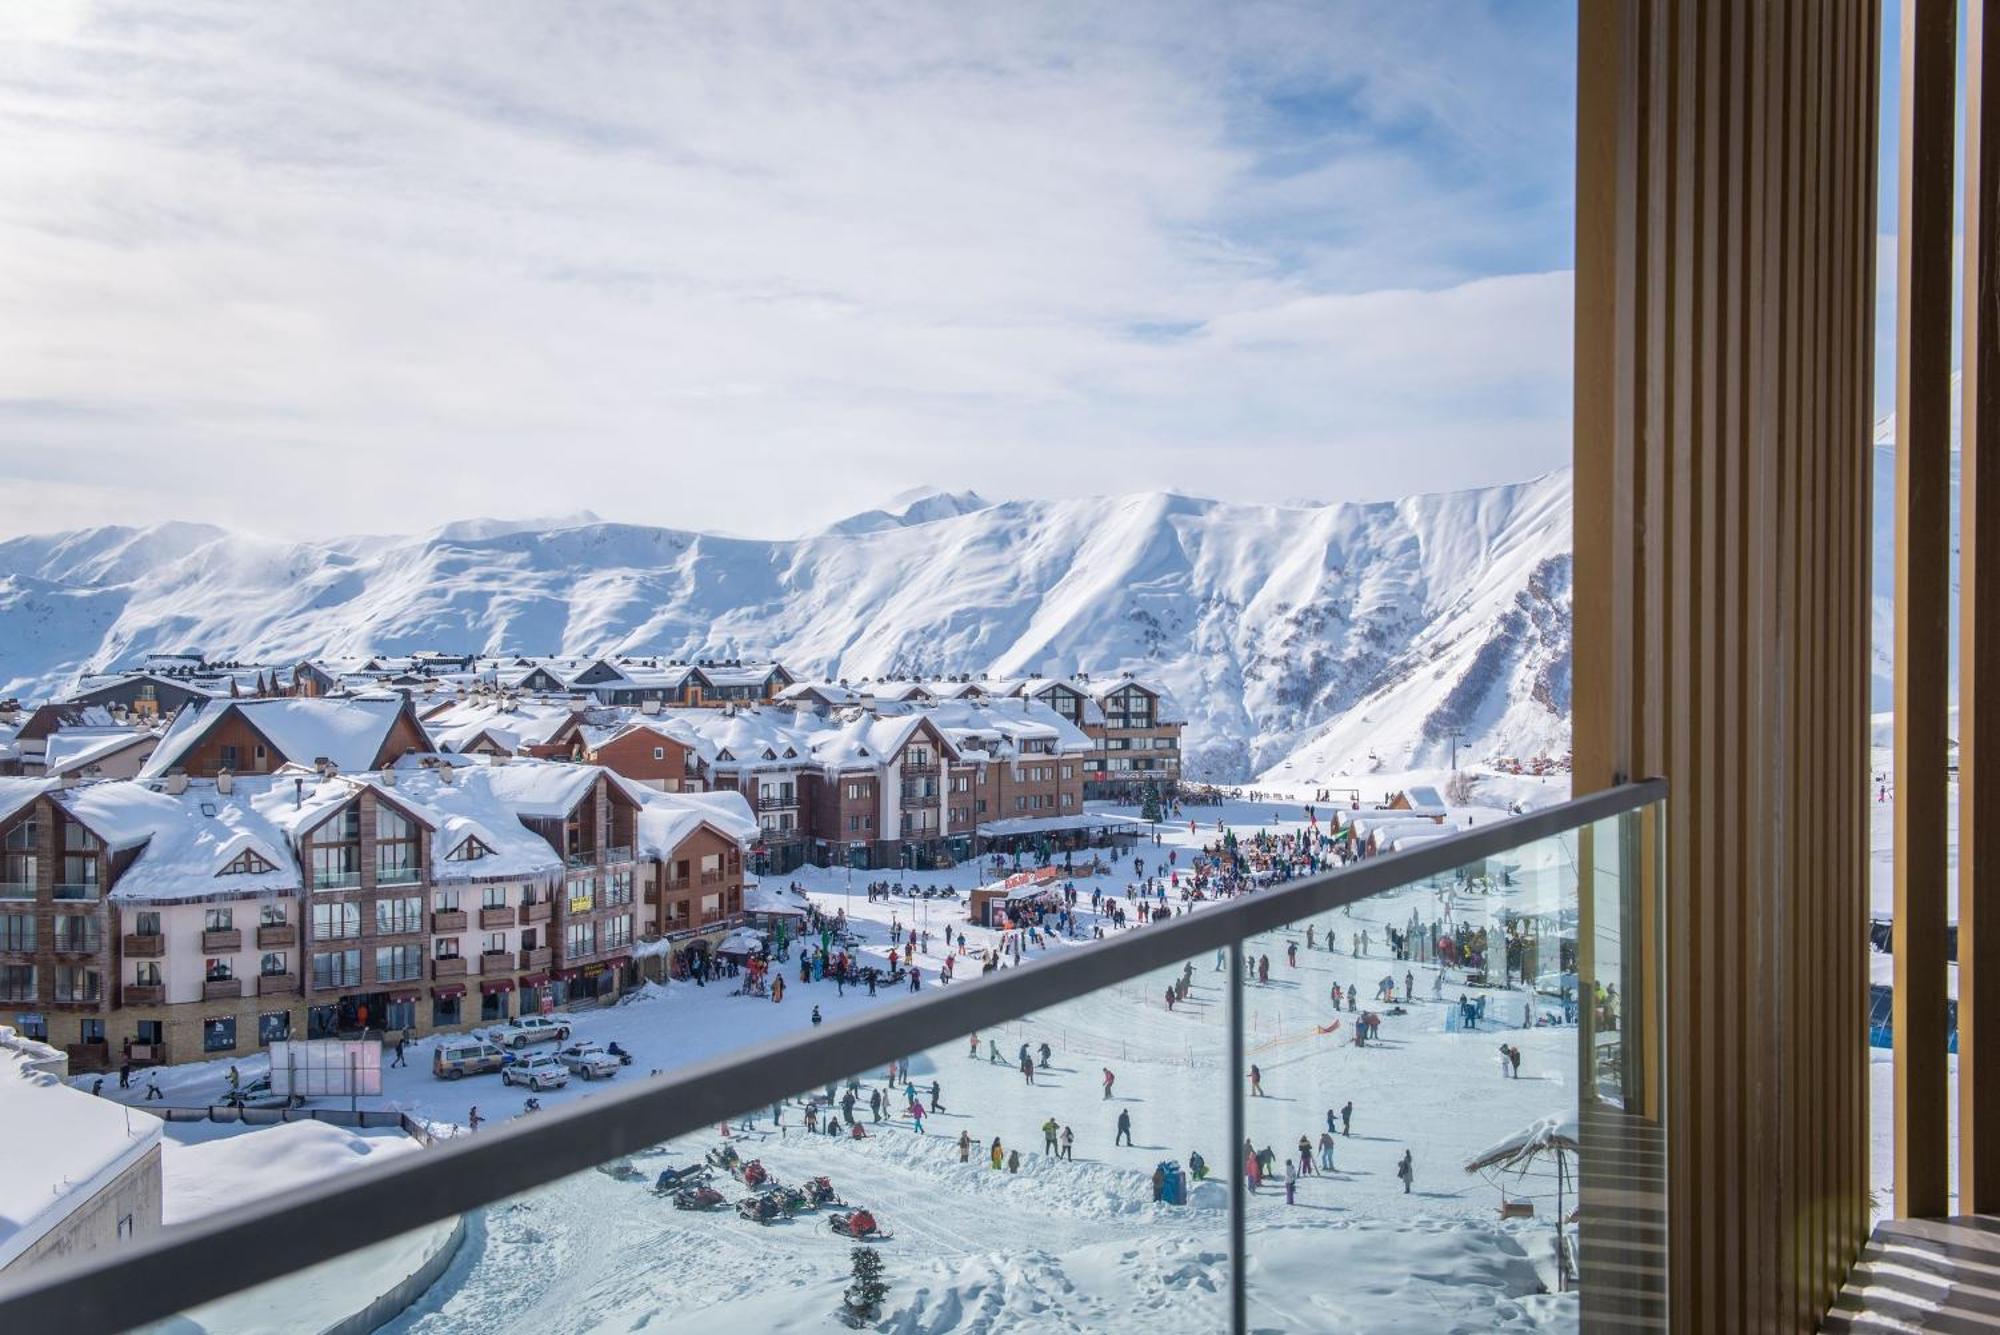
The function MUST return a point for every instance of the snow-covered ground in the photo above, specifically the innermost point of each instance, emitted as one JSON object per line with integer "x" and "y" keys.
{"x": 1077, "y": 1244}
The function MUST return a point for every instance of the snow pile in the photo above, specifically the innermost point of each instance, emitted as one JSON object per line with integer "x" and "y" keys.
{"x": 215, "y": 1174}
{"x": 1335, "y": 632}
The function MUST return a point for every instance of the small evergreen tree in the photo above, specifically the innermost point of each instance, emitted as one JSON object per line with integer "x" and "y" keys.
{"x": 863, "y": 1300}
{"x": 1149, "y": 801}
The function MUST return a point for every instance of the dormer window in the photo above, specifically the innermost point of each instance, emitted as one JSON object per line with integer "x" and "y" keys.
{"x": 248, "y": 862}
{"x": 471, "y": 850}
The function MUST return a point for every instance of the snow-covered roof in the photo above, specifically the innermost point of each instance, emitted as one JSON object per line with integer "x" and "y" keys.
{"x": 80, "y": 748}
{"x": 16, "y": 793}
{"x": 666, "y": 819}
{"x": 63, "y": 1146}
{"x": 349, "y": 732}
{"x": 187, "y": 839}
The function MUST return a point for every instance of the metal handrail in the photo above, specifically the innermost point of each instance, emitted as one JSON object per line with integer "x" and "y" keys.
{"x": 266, "y": 1239}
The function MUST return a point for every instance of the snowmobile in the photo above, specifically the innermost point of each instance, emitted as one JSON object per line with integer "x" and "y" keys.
{"x": 621, "y": 1171}
{"x": 623, "y": 1055}
{"x": 819, "y": 1192}
{"x": 677, "y": 1179}
{"x": 859, "y": 1224}
{"x": 760, "y": 1209}
{"x": 697, "y": 1198}
{"x": 725, "y": 1157}
{"x": 789, "y": 1199}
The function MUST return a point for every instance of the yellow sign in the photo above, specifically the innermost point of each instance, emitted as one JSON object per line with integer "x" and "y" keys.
{"x": 579, "y": 905}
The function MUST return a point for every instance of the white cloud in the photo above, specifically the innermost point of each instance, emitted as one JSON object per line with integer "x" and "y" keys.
{"x": 309, "y": 268}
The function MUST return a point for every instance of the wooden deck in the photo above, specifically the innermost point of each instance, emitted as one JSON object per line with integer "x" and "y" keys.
{"x": 1924, "y": 1274}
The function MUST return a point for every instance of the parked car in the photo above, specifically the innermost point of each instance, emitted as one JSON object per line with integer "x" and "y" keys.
{"x": 530, "y": 1029}
{"x": 458, "y": 1057}
{"x": 589, "y": 1060}
{"x": 539, "y": 1072}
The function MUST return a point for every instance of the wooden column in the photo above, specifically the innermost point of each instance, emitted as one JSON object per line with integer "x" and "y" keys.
{"x": 1979, "y": 634}
{"x": 1923, "y": 598}
{"x": 1724, "y": 364}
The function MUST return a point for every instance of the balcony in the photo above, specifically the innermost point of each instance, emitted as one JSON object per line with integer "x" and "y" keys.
{"x": 75, "y": 890}
{"x": 277, "y": 984}
{"x": 618, "y": 853}
{"x": 538, "y": 958}
{"x": 777, "y": 803}
{"x": 221, "y": 989}
{"x": 492, "y": 920}
{"x": 89, "y": 1056}
{"x": 495, "y": 961}
{"x": 149, "y": 947}
{"x": 388, "y": 876}
{"x": 17, "y": 889}
{"x": 144, "y": 994}
{"x": 539, "y": 911}
{"x": 222, "y": 941}
{"x": 580, "y": 858}
{"x": 712, "y": 878}
{"x": 452, "y": 966}
{"x": 336, "y": 880}
{"x": 277, "y": 936}
{"x": 446, "y": 921}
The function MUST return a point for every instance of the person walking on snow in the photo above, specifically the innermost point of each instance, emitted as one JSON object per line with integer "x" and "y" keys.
{"x": 995, "y": 1154}
{"x": 1292, "y": 954}
{"x": 965, "y": 1147}
{"x": 935, "y": 1105}
{"x": 992, "y": 1052}
{"x": 1409, "y": 985}
{"x": 974, "y": 1054}
{"x": 1291, "y": 1183}
{"x": 1049, "y": 1131}
{"x": 1068, "y": 1144}
{"x": 1047, "y": 1052}
{"x": 1407, "y": 1170}
{"x": 1108, "y": 1078}
{"x": 1027, "y": 1068}
{"x": 1347, "y": 1118}
{"x": 1256, "y": 1082}
{"x": 1326, "y": 1151}
{"x": 1305, "y": 1157}
{"x": 1124, "y": 1136}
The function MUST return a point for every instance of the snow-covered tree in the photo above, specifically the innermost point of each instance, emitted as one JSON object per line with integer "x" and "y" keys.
{"x": 1149, "y": 801}
{"x": 863, "y": 1299}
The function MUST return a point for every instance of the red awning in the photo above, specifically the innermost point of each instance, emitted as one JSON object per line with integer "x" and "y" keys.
{"x": 566, "y": 975}
{"x": 497, "y": 985}
{"x": 448, "y": 991}
{"x": 534, "y": 980}
{"x": 618, "y": 962}
{"x": 406, "y": 996}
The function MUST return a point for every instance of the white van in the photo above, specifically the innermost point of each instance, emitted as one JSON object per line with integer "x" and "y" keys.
{"x": 455, "y": 1057}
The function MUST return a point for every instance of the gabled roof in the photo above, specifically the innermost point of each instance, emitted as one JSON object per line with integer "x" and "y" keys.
{"x": 350, "y": 732}
{"x": 16, "y": 794}
{"x": 187, "y": 838}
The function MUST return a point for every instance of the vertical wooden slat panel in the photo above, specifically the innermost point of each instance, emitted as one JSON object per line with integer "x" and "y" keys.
{"x": 1923, "y": 588}
{"x": 1979, "y": 634}
{"x": 1725, "y": 244}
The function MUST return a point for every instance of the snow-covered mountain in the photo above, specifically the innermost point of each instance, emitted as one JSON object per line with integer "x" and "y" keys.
{"x": 1343, "y": 637}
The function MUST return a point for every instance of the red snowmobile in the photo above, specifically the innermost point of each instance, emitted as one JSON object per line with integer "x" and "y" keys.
{"x": 697, "y": 1198}
{"x": 858, "y": 1224}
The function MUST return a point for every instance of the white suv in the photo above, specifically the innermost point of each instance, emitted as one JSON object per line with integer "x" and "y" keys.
{"x": 531, "y": 1029}
{"x": 588, "y": 1060}
{"x": 539, "y": 1072}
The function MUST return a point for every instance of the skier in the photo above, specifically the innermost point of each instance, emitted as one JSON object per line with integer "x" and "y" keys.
{"x": 992, "y": 1052}
{"x": 1256, "y": 1082}
{"x": 1305, "y": 1157}
{"x": 1046, "y": 1054}
{"x": 935, "y": 1105}
{"x": 974, "y": 1054}
{"x": 1292, "y": 954}
{"x": 1108, "y": 1078}
{"x": 1124, "y": 1136}
{"x": 1409, "y": 985}
{"x": 1197, "y": 1166}
{"x": 1347, "y": 1118}
{"x": 1027, "y": 1068}
{"x": 1407, "y": 1170}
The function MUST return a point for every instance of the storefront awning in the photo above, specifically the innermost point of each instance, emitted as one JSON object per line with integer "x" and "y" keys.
{"x": 406, "y": 996}
{"x": 534, "y": 980}
{"x": 617, "y": 961}
{"x": 447, "y": 992}
{"x": 497, "y": 985}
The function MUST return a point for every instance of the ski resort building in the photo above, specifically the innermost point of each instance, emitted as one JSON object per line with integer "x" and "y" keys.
{"x": 198, "y": 912}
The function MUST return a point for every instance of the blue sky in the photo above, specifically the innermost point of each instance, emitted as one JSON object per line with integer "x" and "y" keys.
{"x": 311, "y": 268}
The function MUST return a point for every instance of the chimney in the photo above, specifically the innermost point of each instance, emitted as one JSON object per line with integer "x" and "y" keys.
{"x": 388, "y": 778}
{"x": 868, "y": 702}
{"x": 224, "y": 782}
{"x": 324, "y": 764}
{"x": 177, "y": 783}
{"x": 444, "y": 775}
{"x": 70, "y": 778}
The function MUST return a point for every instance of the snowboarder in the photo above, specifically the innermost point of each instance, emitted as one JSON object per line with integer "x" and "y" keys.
{"x": 1108, "y": 1078}
{"x": 1406, "y": 1170}
{"x": 1124, "y": 1136}
{"x": 1046, "y": 1052}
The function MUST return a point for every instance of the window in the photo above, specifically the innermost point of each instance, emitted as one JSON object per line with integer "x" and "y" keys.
{"x": 583, "y": 894}
{"x": 618, "y": 887}
{"x": 17, "y": 983}
{"x": 398, "y": 917}
{"x": 581, "y": 939}
{"x": 17, "y": 931}
{"x": 447, "y": 947}
{"x": 468, "y": 850}
{"x": 217, "y": 970}
{"x": 271, "y": 915}
{"x": 332, "y": 922}
{"x": 76, "y": 983}
{"x": 493, "y": 1006}
{"x": 1069, "y": 771}
{"x": 149, "y": 1031}
{"x": 219, "y": 920}
{"x": 494, "y": 897}
{"x": 617, "y": 933}
{"x": 147, "y": 973}
{"x": 337, "y": 968}
{"x": 272, "y": 965}
{"x": 444, "y": 1011}
{"x": 445, "y": 901}
{"x": 396, "y": 847}
{"x": 273, "y": 1027}
{"x": 33, "y": 1026}
{"x": 249, "y": 860}
{"x": 711, "y": 903}
{"x": 93, "y": 1030}
{"x": 659, "y": 753}
{"x": 396, "y": 964}
{"x": 496, "y": 943}
{"x": 219, "y": 1034}
{"x": 225, "y": 758}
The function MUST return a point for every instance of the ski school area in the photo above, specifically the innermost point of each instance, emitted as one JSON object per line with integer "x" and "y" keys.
{"x": 1068, "y": 1169}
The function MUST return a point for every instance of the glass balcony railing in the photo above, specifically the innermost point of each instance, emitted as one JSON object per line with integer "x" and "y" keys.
{"x": 17, "y": 889}
{"x": 336, "y": 880}
{"x": 1419, "y": 1091}
{"x": 76, "y": 890}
